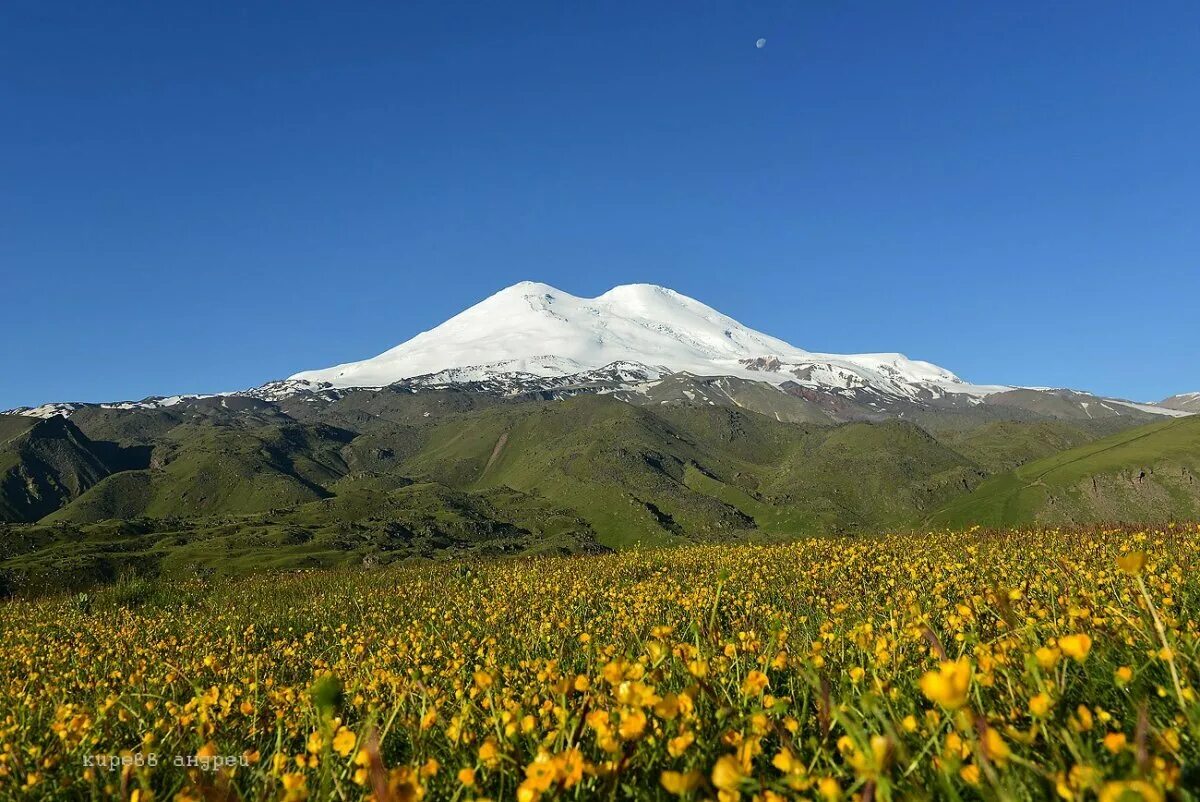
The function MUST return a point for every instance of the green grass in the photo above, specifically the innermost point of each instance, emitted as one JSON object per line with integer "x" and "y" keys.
{"x": 1147, "y": 473}
{"x": 1005, "y": 445}
{"x": 212, "y": 470}
{"x": 770, "y": 518}
{"x": 44, "y": 464}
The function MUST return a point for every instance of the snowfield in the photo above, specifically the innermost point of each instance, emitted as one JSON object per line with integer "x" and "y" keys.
{"x": 531, "y": 337}
{"x": 533, "y": 328}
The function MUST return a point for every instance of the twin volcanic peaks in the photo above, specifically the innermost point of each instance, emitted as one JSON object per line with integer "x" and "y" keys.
{"x": 637, "y": 340}
{"x": 537, "y": 329}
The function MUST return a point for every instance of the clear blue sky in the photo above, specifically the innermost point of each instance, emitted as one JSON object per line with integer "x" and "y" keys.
{"x": 204, "y": 196}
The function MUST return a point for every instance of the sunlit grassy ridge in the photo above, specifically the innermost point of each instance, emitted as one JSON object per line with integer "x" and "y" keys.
{"x": 1147, "y": 473}
{"x": 973, "y": 665}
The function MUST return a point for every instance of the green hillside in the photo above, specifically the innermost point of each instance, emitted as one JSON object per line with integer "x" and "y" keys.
{"x": 372, "y": 521}
{"x": 620, "y": 467}
{"x": 864, "y": 477}
{"x": 1149, "y": 473}
{"x": 205, "y": 470}
{"x": 44, "y": 464}
{"x": 1005, "y": 445}
{"x": 633, "y": 474}
{"x": 396, "y": 474}
{"x": 653, "y": 475}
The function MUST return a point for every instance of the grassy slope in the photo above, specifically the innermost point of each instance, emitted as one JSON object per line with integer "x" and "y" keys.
{"x": 365, "y": 523}
{"x": 651, "y": 475}
{"x": 219, "y": 470}
{"x": 438, "y": 473}
{"x": 871, "y": 476}
{"x": 419, "y": 520}
{"x": 43, "y": 464}
{"x": 1148, "y": 473}
{"x": 654, "y": 474}
{"x": 620, "y": 467}
{"x": 12, "y": 427}
{"x": 1005, "y": 445}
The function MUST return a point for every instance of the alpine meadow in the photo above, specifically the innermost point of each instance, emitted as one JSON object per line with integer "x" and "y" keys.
{"x": 732, "y": 403}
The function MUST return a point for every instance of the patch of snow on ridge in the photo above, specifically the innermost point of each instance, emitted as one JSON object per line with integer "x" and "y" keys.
{"x": 45, "y": 411}
{"x": 1153, "y": 408}
{"x": 500, "y": 378}
{"x": 284, "y": 388}
{"x": 155, "y": 402}
{"x": 533, "y": 328}
{"x": 1187, "y": 402}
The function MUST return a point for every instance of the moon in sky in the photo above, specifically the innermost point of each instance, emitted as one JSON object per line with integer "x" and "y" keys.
{"x": 760, "y": 43}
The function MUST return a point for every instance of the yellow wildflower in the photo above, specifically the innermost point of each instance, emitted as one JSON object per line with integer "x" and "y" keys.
{"x": 949, "y": 684}
{"x": 1076, "y": 646}
{"x": 727, "y": 773}
{"x": 680, "y": 783}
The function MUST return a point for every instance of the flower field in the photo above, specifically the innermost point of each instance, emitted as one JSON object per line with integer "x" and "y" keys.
{"x": 948, "y": 665}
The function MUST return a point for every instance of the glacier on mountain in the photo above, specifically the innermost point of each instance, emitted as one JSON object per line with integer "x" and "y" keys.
{"x": 533, "y": 328}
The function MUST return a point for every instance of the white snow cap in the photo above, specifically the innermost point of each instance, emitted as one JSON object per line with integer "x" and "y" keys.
{"x": 535, "y": 328}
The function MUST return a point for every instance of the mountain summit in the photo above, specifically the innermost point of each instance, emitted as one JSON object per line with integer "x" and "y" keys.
{"x": 535, "y": 329}
{"x": 649, "y": 345}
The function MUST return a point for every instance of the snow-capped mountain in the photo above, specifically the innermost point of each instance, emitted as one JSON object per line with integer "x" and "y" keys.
{"x": 650, "y": 345}
{"x": 535, "y": 330}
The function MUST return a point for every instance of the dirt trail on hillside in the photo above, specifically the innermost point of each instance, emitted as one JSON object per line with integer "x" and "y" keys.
{"x": 496, "y": 452}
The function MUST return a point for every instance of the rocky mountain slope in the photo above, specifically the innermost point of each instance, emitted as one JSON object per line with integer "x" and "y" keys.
{"x": 1184, "y": 402}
